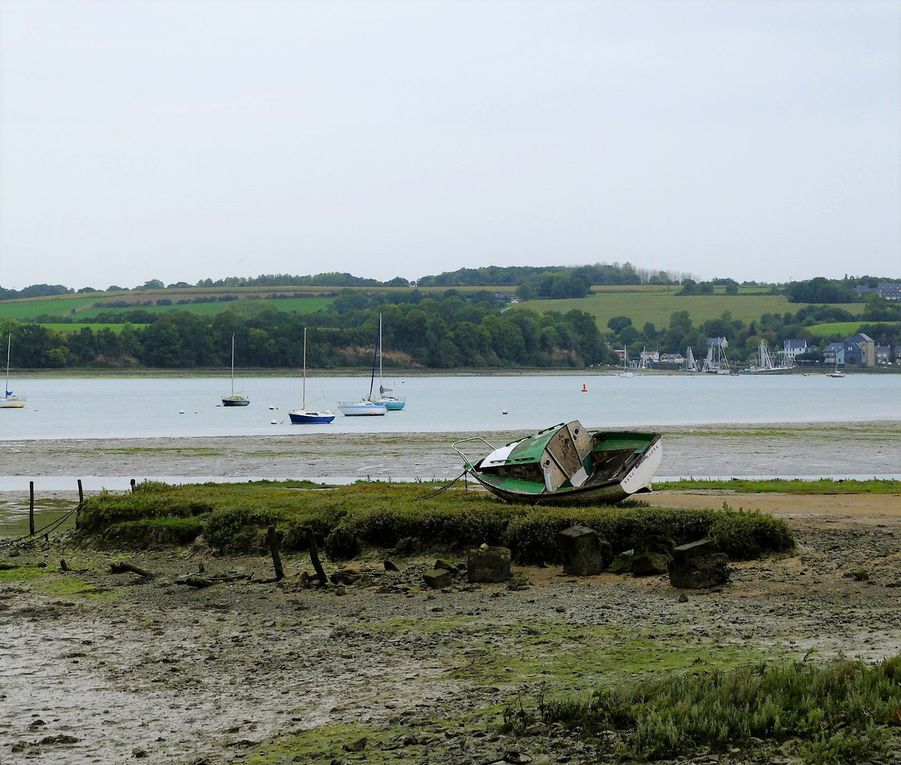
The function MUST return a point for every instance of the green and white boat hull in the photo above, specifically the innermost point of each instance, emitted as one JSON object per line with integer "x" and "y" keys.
{"x": 569, "y": 465}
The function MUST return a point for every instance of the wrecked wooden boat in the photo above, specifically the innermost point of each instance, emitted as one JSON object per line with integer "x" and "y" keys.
{"x": 567, "y": 464}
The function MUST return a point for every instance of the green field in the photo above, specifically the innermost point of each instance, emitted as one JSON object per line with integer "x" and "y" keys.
{"x": 656, "y": 305}
{"x": 249, "y": 299}
{"x": 844, "y": 328}
{"x": 88, "y": 307}
{"x": 297, "y": 305}
{"x": 24, "y": 310}
{"x": 77, "y": 327}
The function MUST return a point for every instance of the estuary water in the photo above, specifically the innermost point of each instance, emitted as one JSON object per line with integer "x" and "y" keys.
{"x": 186, "y": 407}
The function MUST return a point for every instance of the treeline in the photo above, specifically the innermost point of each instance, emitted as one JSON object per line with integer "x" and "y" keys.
{"x": 451, "y": 330}
{"x": 823, "y": 290}
{"x": 744, "y": 338}
{"x": 35, "y": 290}
{"x": 532, "y": 276}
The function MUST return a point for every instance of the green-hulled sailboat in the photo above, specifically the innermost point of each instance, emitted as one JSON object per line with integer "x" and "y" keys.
{"x": 568, "y": 465}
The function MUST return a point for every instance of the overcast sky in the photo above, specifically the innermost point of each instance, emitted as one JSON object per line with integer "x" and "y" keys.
{"x": 184, "y": 139}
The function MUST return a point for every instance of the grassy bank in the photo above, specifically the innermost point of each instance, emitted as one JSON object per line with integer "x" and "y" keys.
{"x": 785, "y": 486}
{"x": 348, "y": 519}
{"x": 842, "y": 712}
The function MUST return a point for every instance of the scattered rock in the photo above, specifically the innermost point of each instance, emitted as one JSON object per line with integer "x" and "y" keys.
{"x": 622, "y": 563}
{"x": 345, "y": 576}
{"x": 406, "y": 546}
{"x": 390, "y": 565}
{"x": 441, "y": 563}
{"x": 584, "y": 551}
{"x": 683, "y": 598}
{"x": 648, "y": 563}
{"x": 698, "y": 565}
{"x": 60, "y": 739}
{"x": 139, "y": 753}
{"x": 437, "y": 578}
{"x": 356, "y": 746}
{"x": 517, "y": 758}
{"x": 488, "y": 564}
{"x": 858, "y": 575}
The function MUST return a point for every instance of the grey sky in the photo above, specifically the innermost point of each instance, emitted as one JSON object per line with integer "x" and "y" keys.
{"x": 183, "y": 139}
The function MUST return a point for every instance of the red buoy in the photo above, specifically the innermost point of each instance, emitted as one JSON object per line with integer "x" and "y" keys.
{"x": 584, "y": 388}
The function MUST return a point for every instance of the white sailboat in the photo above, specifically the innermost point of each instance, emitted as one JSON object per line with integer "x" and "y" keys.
{"x": 234, "y": 399}
{"x": 690, "y": 364}
{"x": 366, "y": 407}
{"x": 386, "y": 395}
{"x": 626, "y": 372}
{"x": 304, "y": 416}
{"x": 10, "y": 400}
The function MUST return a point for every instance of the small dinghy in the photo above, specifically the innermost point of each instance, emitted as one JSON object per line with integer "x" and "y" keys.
{"x": 568, "y": 465}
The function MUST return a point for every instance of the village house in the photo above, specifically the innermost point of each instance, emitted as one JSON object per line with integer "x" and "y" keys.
{"x": 793, "y": 347}
{"x": 883, "y": 354}
{"x": 834, "y": 354}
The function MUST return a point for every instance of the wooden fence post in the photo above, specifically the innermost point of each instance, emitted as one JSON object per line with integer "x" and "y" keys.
{"x": 31, "y": 508}
{"x": 80, "y": 502}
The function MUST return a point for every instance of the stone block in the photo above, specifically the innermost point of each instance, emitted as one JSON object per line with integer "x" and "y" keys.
{"x": 438, "y": 578}
{"x": 698, "y": 565}
{"x": 584, "y": 551}
{"x": 488, "y": 564}
{"x": 650, "y": 563}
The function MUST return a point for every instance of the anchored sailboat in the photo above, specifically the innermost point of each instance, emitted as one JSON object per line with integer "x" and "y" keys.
{"x": 234, "y": 399}
{"x": 304, "y": 416}
{"x": 366, "y": 407}
{"x": 386, "y": 395}
{"x": 10, "y": 400}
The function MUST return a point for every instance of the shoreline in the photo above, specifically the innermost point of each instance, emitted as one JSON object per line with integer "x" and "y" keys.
{"x": 863, "y": 448}
{"x": 600, "y": 371}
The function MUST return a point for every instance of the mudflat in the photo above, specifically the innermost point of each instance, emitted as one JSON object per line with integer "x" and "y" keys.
{"x": 102, "y": 667}
{"x": 812, "y": 449}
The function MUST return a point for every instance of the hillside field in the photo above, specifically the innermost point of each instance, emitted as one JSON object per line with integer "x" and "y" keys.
{"x": 845, "y": 328}
{"x": 77, "y": 327}
{"x": 657, "y": 304}
{"x": 216, "y": 300}
{"x": 641, "y": 303}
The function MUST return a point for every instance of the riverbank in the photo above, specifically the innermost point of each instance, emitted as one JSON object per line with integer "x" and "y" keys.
{"x": 217, "y": 372}
{"x": 103, "y": 667}
{"x": 839, "y": 449}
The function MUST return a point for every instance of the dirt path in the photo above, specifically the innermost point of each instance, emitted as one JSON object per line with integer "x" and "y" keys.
{"x": 171, "y": 674}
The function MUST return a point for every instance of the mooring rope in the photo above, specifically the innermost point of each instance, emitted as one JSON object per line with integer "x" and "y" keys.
{"x": 52, "y": 526}
{"x": 443, "y": 488}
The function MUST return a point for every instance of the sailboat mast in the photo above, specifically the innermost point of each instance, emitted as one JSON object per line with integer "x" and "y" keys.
{"x": 233, "y": 363}
{"x": 303, "y": 397}
{"x": 375, "y": 353}
{"x": 9, "y": 345}
{"x": 381, "y": 382}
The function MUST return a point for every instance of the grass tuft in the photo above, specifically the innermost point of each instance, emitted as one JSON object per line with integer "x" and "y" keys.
{"x": 842, "y": 712}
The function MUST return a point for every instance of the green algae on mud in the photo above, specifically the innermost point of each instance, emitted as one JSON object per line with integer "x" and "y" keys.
{"x": 560, "y": 653}
{"x": 56, "y": 584}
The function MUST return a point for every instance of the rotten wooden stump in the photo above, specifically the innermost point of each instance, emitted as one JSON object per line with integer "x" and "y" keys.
{"x": 122, "y": 567}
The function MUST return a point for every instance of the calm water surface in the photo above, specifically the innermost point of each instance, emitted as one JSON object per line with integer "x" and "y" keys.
{"x": 184, "y": 407}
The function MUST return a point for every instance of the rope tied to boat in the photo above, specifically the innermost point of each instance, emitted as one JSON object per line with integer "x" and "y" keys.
{"x": 443, "y": 489}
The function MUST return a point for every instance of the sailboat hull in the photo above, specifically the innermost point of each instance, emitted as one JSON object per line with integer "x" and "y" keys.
{"x": 12, "y": 403}
{"x": 310, "y": 418}
{"x": 236, "y": 401}
{"x": 362, "y": 409}
{"x": 393, "y": 406}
